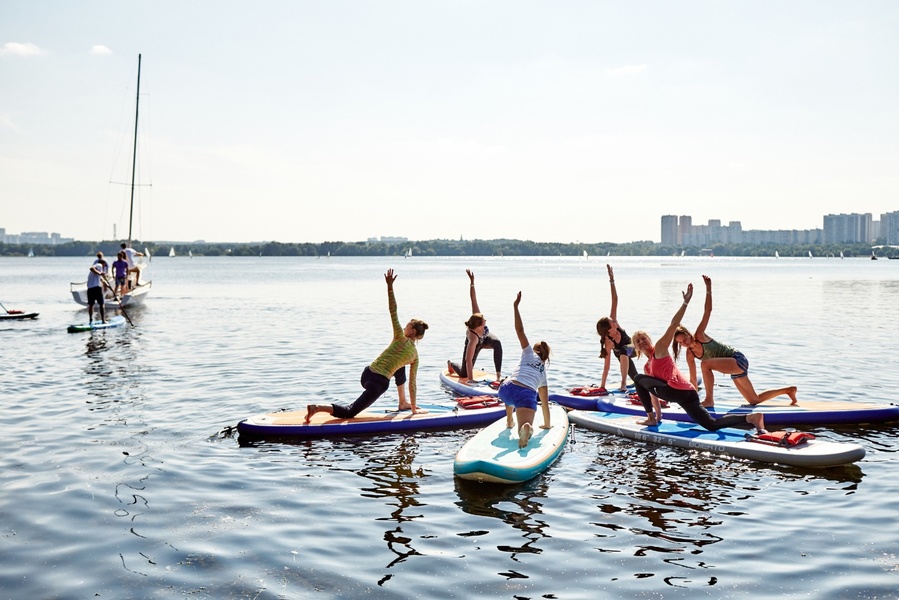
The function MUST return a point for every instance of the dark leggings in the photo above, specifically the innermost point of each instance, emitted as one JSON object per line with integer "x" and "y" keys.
{"x": 490, "y": 341}
{"x": 374, "y": 385}
{"x": 631, "y": 367}
{"x": 688, "y": 399}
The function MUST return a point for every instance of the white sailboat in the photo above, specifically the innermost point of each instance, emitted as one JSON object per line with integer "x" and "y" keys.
{"x": 776, "y": 254}
{"x": 408, "y": 253}
{"x": 138, "y": 293}
{"x": 172, "y": 252}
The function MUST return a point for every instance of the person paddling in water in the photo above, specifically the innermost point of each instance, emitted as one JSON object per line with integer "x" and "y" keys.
{"x": 402, "y": 351}
{"x": 715, "y": 356}
{"x": 662, "y": 379}
{"x": 615, "y": 340}
{"x": 526, "y": 384}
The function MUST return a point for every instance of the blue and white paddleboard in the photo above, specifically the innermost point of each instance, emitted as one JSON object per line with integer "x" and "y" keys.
{"x": 368, "y": 422}
{"x": 493, "y": 454}
{"x": 778, "y": 412}
{"x": 481, "y": 386}
{"x": 116, "y": 321}
{"x": 727, "y": 441}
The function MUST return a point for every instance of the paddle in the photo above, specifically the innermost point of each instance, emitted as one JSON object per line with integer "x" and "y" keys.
{"x": 116, "y": 297}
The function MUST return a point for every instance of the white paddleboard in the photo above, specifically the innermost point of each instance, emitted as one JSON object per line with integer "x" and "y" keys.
{"x": 493, "y": 454}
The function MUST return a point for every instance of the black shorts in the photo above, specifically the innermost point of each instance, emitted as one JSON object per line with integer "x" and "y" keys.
{"x": 95, "y": 294}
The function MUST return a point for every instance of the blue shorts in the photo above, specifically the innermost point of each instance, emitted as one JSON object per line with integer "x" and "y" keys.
{"x": 518, "y": 396}
{"x": 743, "y": 363}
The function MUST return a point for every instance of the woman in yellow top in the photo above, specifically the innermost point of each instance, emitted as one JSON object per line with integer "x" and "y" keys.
{"x": 376, "y": 377}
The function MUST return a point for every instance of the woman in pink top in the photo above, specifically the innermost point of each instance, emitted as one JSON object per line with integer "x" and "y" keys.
{"x": 664, "y": 380}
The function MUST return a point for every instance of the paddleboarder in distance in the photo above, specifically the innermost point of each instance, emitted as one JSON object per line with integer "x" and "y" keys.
{"x": 95, "y": 288}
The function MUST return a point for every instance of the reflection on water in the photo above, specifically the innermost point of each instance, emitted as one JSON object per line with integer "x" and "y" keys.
{"x": 516, "y": 505}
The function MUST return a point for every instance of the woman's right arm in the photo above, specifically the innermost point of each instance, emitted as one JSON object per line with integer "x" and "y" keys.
{"x": 613, "y": 312}
{"x": 519, "y": 326}
{"x": 389, "y": 277}
{"x": 472, "y": 293}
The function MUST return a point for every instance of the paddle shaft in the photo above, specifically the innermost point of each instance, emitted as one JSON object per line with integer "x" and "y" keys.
{"x": 116, "y": 297}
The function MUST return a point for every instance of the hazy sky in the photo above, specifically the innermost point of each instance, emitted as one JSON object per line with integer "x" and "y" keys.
{"x": 333, "y": 120}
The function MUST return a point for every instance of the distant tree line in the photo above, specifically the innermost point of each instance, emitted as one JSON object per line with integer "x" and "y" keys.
{"x": 501, "y": 247}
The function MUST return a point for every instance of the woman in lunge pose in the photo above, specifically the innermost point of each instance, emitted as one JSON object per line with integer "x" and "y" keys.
{"x": 615, "y": 340}
{"x": 376, "y": 377}
{"x": 715, "y": 356}
{"x": 477, "y": 337}
{"x": 663, "y": 380}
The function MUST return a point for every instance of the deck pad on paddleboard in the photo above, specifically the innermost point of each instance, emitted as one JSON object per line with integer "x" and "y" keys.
{"x": 116, "y": 321}
{"x": 727, "y": 441}
{"x": 493, "y": 454}
{"x": 371, "y": 421}
{"x": 778, "y": 411}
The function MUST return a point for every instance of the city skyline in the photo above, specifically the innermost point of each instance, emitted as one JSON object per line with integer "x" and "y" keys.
{"x": 545, "y": 121}
{"x": 852, "y": 228}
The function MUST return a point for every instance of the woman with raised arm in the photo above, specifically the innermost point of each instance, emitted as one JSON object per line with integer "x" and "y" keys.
{"x": 615, "y": 340}
{"x": 526, "y": 384}
{"x": 663, "y": 380}
{"x": 715, "y": 356}
{"x": 477, "y": 337}
{"x": 376, "y": 377}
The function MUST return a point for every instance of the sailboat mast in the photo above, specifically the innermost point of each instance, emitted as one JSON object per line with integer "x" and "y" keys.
{"x": 134, "y": 153}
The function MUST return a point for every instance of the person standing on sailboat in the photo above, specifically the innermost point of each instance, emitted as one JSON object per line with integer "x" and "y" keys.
{"x": 120, "y": 272}
{"x": 95, "y": 288}
{"x": 130, "y": 253}
{"x": 715, "y": 356}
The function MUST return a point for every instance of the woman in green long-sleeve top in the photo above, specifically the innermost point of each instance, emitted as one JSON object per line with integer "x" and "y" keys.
{"x": 402, "y": 351}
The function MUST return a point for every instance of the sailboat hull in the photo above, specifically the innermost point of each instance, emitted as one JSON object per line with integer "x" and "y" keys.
{"x": 135, "y": 297}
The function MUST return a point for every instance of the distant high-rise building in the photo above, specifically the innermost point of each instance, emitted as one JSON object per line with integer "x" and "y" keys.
{"x": 853, "y": 228}
{"x": 889, "y": 227}
{"x": 669, "y": 230}
{"x": 684, "y": 226}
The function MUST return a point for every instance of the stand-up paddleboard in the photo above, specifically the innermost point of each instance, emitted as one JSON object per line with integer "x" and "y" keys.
{"x": 483, "y": 384}
{"x": 778, "y": 412}
{"x": 493, "y": 454}
{"x": 17, "y": 316}
{"x": 371, "y": 421}
{"x": 116, "y": 321}
{"x": 728, "y": 441}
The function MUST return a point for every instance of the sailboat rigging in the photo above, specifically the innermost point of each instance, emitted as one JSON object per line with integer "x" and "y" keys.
{"x": 137, "y": 287}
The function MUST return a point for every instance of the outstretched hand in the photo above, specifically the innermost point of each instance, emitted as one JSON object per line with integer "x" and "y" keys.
{"x": 708, "y": 282}
{"x": 389, "y": 277}
{"x": 611, "y": 273}
{"x": 689, "y": 293}
{"x": 470, "y": 275}
{"x": 517, "y": 300}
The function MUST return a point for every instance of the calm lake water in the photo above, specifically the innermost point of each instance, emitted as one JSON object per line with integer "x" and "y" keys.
{"x": 115, "y": 481}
